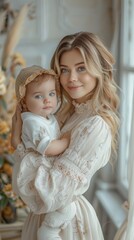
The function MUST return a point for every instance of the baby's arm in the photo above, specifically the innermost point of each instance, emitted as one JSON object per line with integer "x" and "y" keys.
{"x": 58, "y": 146}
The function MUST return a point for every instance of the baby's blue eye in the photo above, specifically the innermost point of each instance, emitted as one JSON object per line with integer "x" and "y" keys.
{"x": 51, "y": 94}
{"x": 39, "y": 97}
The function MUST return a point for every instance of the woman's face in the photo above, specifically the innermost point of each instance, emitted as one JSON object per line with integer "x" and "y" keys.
{"x": 74, "y": 78}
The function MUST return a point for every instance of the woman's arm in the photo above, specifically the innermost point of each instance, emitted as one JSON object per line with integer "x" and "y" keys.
{"x": 16, "y": 128}
{"x": 58, "y": 146}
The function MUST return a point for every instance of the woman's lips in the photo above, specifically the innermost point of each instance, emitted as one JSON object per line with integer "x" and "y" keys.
{"x": 73, "y": 87}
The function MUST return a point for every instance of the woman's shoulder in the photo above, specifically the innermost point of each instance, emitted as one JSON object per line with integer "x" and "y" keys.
{"x": 95, "y": 122}
{"x": 99, "y": 119}
{"x": 95, "y": 119}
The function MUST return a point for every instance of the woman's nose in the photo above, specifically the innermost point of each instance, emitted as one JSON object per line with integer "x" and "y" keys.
{"x": 73, "y": 76}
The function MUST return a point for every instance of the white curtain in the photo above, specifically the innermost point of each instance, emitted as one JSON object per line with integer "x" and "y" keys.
{"x": 130, "y": 222}
{"x": 126, "y": 232}
{"x": 116, "y": 25}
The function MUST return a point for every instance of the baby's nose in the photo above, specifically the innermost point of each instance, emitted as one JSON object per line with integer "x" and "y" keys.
{"x": 46, "y": 100}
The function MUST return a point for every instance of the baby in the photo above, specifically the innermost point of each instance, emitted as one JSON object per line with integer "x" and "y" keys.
{"x": 38, "y": 94}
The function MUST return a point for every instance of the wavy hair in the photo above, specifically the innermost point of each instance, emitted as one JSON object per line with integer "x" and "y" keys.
{"x": 99, "y": 63}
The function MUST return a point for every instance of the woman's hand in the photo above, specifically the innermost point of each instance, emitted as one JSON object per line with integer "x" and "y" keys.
{"x": 66, "y": 136}
{"x": 16, "y": 128}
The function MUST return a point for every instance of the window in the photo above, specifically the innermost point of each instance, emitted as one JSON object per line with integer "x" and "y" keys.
{"x": 127, "y": 86}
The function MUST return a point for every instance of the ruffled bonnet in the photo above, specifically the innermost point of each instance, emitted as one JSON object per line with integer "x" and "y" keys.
{"x": 27, "y": 75}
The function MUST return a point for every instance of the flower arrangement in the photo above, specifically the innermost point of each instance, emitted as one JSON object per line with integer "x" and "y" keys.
{"x": 9, "y": 62}
{"x": 7, "y": 197}
{"x": 8, "y": 200}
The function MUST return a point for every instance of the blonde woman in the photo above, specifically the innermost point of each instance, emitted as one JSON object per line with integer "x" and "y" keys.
{"x": 89, "y": 112}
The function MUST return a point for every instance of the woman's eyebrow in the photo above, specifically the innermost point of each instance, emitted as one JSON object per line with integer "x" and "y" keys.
{"x": 63, "y": 65}
{"x": 79, "y": 63}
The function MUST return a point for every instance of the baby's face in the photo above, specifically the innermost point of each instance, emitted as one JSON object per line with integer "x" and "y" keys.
{"x": 41, "y": 97}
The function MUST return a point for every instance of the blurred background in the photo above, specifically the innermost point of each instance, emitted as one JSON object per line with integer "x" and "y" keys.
{"x": 29, "y": 34}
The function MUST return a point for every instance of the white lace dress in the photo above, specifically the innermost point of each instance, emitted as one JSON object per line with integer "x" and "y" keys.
{"x": 68, "y": 179}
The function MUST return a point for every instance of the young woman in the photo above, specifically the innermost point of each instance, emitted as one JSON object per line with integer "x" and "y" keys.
{"x": 89, "y": 112}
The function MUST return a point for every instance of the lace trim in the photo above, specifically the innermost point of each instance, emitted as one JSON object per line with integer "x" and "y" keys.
{"x": 83, "y": 107}
{"x": 71, "y": 171}
{"x": 21, "y": 150}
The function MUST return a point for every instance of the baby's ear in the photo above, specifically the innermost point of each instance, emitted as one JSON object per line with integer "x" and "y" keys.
{"x": 23, "y": 105}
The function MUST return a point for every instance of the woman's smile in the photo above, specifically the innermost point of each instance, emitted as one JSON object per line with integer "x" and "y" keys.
{"x": 73, "y": 88}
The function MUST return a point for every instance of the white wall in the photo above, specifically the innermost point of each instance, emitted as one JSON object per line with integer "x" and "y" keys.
{"x": 56, "y": 18}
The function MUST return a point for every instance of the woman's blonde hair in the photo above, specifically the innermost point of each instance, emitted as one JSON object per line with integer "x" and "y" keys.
{"x": 99, "y": 63}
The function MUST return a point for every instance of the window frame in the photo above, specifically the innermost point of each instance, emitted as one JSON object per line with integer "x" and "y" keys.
{"x": 125, "y": 70}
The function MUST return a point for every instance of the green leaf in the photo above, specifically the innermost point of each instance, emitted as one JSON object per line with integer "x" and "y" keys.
{"x": 3, "y": 200}
{"x": 11, "y": 200}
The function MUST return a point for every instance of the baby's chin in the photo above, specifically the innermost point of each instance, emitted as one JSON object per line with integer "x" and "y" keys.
{"x": 46, "y": 114}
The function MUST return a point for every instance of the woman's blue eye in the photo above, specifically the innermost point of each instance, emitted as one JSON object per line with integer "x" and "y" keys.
{"x": 64, "y": 70}
{"x": 81, "y": 69}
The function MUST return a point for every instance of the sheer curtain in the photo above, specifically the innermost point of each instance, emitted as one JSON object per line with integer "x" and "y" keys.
{"x": 130, "y": 222}
{"x": 126, "y": 231}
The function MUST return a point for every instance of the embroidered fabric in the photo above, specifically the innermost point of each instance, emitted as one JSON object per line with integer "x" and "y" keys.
{"x": 90, "y": 150}
{"x": 83, "y": 107}
{"x": 71, "y": 173}
{"x": 21, "y": 150}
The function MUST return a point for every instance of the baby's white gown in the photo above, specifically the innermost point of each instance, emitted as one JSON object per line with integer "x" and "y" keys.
{"x": 69, "y": 178}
